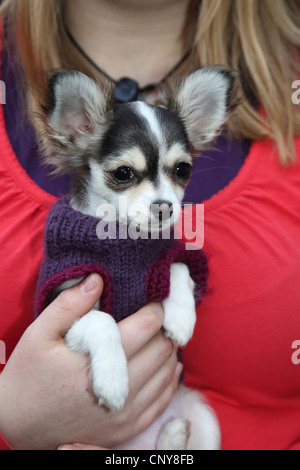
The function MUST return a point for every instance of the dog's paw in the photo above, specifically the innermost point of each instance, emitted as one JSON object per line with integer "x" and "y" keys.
{"x": 98, "y": 335}
{"x": 110, "y": 383}
{"x": 179, "y": 322}
{"x": 175, "y": 435}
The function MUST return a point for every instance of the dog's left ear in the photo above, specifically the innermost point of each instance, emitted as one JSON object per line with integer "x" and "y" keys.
{"x": 203, "y": 101}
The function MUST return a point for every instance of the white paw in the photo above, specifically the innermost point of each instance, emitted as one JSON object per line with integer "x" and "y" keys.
{"x": 175, "y": 435}
{"x": 74, "y": 341}
{"x": 110, "y": 382}
{"x": 97, "y": 334}
{"x": 179, "y": 322}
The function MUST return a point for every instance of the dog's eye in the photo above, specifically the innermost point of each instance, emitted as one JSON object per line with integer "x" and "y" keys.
{"x": 123, "y": 174}
{"x": 183, "y": 170}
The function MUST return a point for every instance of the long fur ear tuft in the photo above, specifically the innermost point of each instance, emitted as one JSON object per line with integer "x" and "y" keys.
{"x": 74, "y": 119}
{"x": 203, "y": 101}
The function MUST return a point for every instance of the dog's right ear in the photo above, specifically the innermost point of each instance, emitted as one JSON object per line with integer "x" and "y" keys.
{"x": 76, "y": 117}
{"x": 204, "y": 101}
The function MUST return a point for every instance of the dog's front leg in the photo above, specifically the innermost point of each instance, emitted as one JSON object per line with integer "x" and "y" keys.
{"x": 179, "y": 307}
{"x": 98, "y": 335}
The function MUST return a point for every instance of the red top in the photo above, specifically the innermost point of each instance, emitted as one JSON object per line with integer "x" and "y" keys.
{"x": 241, "y": 352}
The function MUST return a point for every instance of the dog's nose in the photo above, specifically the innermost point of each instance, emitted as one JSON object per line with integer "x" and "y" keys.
{"x": 162, "y": 209}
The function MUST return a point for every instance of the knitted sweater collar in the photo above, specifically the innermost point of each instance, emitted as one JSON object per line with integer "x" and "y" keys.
{"x": 69, "y": 228}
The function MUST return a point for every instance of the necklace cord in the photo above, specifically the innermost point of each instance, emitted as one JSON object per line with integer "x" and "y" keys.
{"x": 105, "y": 74}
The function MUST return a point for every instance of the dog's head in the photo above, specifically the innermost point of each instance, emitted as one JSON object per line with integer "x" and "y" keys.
{"x": 134, "y": 150}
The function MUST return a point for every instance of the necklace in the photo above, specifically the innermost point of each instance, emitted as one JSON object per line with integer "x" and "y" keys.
{"x": 126, "y": 89}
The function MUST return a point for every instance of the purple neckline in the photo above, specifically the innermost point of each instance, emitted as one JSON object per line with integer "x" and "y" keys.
{"x": 213, "y": 170}
{"x": 22, "y": 136}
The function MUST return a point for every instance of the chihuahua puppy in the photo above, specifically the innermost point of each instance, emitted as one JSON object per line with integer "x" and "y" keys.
{"x": 142, "y": 153}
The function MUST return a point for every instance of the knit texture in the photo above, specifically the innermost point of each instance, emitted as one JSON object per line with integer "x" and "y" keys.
{"x": 135, "y": 272}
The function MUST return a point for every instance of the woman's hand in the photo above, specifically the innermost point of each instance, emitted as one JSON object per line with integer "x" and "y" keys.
{"x": 45, "y": 394}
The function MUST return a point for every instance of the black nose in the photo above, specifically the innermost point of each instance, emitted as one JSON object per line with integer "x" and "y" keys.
{"x": 162, "y": 209}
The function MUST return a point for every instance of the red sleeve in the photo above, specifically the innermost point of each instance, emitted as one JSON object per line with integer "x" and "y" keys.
{"x": 23, "y": 211}
{"x": 22, "y": 221}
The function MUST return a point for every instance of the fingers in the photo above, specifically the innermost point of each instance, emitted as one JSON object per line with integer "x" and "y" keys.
{"x": 73, "y": 303}
{"x": 156, "y": 408}
{"x": 152, "y": 364}
{"x": 138, "y": 329}
{"x": 163, "y": 382}
{"x": 70, "y": 305}
{"x": 153, "y": 399}
{"x": 158, "y": 353}
{"x": 79, "y": 447}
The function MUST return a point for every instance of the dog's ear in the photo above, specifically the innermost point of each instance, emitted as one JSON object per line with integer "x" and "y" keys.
{"x": 75, "y": 119}
{"x": 203, "y": 101}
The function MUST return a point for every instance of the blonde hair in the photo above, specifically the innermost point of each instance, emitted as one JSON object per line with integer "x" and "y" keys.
{"x": 261, "y": 39}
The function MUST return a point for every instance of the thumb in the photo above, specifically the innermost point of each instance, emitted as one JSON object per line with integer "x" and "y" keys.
{"x": 70, "y": 305}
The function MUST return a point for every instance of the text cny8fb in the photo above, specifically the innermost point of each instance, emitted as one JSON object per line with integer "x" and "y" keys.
{"x": 144, "y": 458}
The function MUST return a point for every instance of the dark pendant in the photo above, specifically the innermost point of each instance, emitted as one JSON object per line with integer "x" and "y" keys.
{"x": 126, "y": 90}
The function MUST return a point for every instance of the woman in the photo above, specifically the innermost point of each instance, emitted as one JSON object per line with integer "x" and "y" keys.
{"x": 240, "y": 356}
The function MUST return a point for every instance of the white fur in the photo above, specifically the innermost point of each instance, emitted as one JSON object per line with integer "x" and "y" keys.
{"x": 175, "y": 435}
{"x": 139, "y": 201}
{"x": 188, "y": 422}
{"x": 192, "y": 407}
{"x": 179, "y": 307}
{"x": 176, "y": 154}
{"x": 133, "y": 158}
{"x": 79, "y": 102}
{"x": 98, "y": 335}
{"x": 201, "y": 102}
{"x": 149, "y": 115}
{"x": 82, "y": 110}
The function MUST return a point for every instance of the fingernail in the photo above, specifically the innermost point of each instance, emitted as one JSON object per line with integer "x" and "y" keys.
{"x": 178, "y": 370}
{"x": 88, "y": 284}
{"x": 69, "y": 447}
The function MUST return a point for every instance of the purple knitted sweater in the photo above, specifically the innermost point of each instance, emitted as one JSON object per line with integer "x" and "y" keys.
{"x": 135, "y": 272}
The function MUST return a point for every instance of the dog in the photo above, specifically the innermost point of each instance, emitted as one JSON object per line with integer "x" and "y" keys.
{"x": 143, "y": 153}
